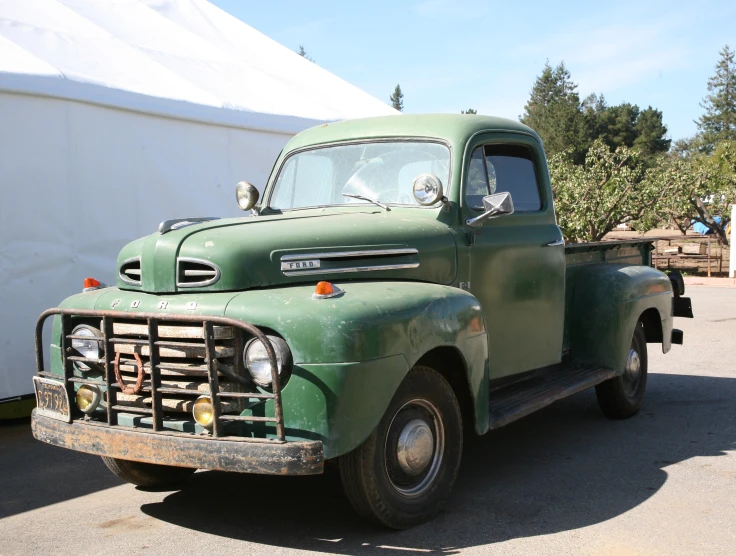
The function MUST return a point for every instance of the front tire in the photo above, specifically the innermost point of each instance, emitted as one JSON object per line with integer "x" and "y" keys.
{"x": 403, "y": 473}
{"x": 621, "y": 397}
{"x": 146, "y": 474}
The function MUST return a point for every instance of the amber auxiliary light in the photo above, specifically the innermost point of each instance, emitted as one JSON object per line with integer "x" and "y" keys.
{"x": 93, "y": 284}
{"x": 325, "y": 290}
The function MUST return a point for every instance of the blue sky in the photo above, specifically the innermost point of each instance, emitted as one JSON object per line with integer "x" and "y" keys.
{"x": 449, "y": 56}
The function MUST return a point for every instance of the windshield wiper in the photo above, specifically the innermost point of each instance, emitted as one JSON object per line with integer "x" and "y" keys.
{"x": 362, "y": 198}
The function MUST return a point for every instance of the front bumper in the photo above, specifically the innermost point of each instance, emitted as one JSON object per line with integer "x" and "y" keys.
{"x": 224, "y": 454}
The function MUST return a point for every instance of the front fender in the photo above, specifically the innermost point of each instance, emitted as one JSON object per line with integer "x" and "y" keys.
{"x": 352, "y": 352}
{"x": 608, "y": 301}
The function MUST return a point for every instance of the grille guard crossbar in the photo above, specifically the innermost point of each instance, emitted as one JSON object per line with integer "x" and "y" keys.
{"x": 152, "y": 320}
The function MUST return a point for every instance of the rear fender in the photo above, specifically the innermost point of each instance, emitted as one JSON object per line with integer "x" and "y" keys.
{"x": 608, "y": 301}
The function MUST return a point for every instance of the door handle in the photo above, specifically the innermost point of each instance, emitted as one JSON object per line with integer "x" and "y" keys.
{"x": 556, "y": 242}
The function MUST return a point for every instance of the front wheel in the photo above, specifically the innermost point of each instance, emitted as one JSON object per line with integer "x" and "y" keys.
{"x": 404, "y": 472}
{"x": 621, "y": 397}
{"x": 146, "y": 474}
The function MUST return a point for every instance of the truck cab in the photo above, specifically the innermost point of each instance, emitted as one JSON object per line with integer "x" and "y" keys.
{"x": 401, "y": 279}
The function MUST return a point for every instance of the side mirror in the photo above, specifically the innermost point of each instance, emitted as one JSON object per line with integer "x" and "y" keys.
{"x": 496, "y": 205}
{"x": 246, "y": 194}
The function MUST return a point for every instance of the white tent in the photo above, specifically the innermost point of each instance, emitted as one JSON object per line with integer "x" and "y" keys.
{"x": 117, "y": 114}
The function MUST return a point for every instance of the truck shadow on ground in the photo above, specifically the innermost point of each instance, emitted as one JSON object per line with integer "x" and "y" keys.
{"x": 563, "y": 468}
{"x": 34, "y": 474}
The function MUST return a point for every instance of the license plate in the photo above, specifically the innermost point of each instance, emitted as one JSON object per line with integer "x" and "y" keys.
{"x": 52, "y": 399}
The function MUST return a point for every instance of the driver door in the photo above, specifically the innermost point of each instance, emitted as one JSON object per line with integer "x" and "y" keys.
{"x": 517, "y": 261}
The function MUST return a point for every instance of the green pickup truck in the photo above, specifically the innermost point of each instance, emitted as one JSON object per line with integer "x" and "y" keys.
{"x": 402, "y": 282}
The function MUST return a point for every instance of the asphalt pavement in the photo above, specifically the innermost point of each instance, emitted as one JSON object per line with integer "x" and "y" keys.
{"x": 565, "y": 480}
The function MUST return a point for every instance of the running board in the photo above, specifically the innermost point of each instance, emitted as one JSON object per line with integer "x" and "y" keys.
{"x": 509, "y": 403}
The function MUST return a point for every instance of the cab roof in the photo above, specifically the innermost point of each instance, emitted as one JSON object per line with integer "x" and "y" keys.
{"x": 455, "y": 128}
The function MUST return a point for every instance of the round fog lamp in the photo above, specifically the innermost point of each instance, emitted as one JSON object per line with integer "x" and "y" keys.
{"x": 88, "y": 398}
{"x": 204, "y": 411}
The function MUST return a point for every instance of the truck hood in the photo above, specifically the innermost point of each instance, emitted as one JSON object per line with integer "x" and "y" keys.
{"x": 299, "y": 246}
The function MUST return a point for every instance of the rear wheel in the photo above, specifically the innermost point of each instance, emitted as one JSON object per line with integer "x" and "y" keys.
{"x": 622, "y": 396}
{"x": 404, "y": 472}
{"x": 146, "y": 474}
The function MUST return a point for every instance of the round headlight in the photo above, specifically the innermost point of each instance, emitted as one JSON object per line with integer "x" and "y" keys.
{"x": 88, "y": 398}
{"x": 86, "y": 348}
{"x": 256, "y": 359}
{"x": 203, "y": 411}
{"x": 246, "y": 194}
{"x": 427, "y": 189}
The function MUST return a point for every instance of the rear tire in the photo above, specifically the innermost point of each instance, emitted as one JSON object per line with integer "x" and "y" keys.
{"x": 622, "y": 396}
{"x": 403, "y": 473}
{"x": 146, "y": 474}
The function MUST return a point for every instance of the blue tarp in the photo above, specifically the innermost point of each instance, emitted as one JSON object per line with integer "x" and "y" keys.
{"x": 701, "y": 228}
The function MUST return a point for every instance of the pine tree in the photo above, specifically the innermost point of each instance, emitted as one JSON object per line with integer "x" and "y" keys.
{"x": 651, "y": 134}
{"x": 469, "y": 111}
{"x": 303, "y": 53}
{"x": 719, "y": 121}
{"x": 625, "y": 125}
{"x": 555, "y": 112}
{"x": 397, "y": 99}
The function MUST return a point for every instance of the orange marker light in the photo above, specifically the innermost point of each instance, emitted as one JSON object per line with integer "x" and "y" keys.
{"x": 324, "y": 288}
{"x": 91, "y": 283}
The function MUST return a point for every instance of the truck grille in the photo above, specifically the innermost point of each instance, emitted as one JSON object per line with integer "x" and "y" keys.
{"x": 182, "y": 356}
{"x": 182, "y": 366}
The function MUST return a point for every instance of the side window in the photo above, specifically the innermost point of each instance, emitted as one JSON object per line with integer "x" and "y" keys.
{"x": 511, "y": 168}
{"x": 476, "y": 186}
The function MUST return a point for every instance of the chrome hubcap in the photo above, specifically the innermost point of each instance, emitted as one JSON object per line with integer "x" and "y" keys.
{"x": 632, "y": 372}
{"x": 415, "y": 448}
{"x": 633, "y": 366}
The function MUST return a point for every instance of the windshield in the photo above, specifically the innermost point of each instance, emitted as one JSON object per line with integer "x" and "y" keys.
{"x": 383, "y": 172}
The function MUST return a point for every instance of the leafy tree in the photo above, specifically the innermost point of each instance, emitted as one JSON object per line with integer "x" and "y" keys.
{"x": 554, "y": 111}
{"x": 397, "y": 99}
{"x": 609, "y": 188}
{"x": 469, "y": 111}
{"x": 303, "y": 53}
{"x": 700, "y": 187}
{"x": 687, "y": 180}
{"x": 721, "y": 193}
{"x": 719, "y": 121}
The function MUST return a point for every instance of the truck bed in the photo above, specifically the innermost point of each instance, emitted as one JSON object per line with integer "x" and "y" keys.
{"x": 625, "y": 251}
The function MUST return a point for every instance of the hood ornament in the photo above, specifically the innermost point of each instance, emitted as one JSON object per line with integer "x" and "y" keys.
{"x": 176, "y": 223}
